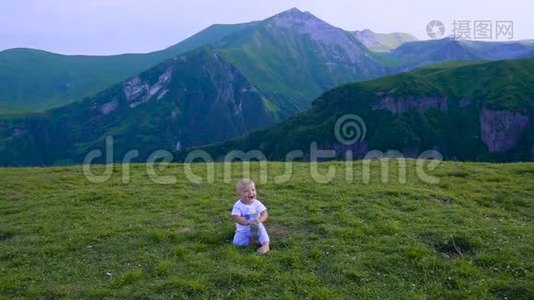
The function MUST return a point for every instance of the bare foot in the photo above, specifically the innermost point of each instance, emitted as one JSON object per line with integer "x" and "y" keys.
{"x": 263, "y": 249}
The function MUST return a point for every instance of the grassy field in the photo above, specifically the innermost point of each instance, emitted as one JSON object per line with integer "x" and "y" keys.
{"x": 469, "y": 236}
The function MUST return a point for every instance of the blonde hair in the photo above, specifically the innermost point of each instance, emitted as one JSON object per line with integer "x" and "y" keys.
{"x": 243, "y": 183}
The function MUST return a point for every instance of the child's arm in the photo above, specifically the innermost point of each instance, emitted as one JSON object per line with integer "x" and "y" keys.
{"x": 263, "y": 217}
{"x": 239, "y": 219}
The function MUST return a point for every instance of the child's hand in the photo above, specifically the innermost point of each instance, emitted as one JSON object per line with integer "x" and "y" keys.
{"x": 256, "y": 222}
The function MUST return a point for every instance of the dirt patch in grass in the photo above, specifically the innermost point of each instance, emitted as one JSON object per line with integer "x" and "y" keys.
{"x": 459, "y": 174}
{"x": 524, "y": 172}
{"x": 6, "y": 235}
{"x": 450, "y": 247}
{"x": 443, "y": 199}
{"x": 14, "y": 196}
{"x": 512, "y": 292}
{"x": 184, "y": 229}
{"x": 279, "y": 231}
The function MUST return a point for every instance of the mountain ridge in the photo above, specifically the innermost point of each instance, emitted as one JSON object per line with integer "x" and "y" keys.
{"x": 478, "y": 111}
{"x": 62, "y": 79}
{"x": 276, "y": 70}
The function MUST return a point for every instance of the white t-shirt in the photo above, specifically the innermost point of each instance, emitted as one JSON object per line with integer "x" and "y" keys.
{"x": 250, "y": 211}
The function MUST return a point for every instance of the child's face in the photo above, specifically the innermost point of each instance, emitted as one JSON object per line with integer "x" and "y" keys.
{"x": 248, "y": 193}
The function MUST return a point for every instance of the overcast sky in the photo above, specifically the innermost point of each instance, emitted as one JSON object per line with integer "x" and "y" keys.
{"x": 120, "y": 26}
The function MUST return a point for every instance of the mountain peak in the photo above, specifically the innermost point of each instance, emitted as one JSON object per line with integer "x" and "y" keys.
{"x": 366, "y": 31}
{"x": 303, "y": 22}
{"x": 290, "y": 12}
{"x": 295, "y": 16}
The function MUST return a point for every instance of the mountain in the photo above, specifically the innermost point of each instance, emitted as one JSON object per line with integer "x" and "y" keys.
{"x": 193, "y": 99}
{"x": 36, "y": 80}
{"x": 499, "y": 50}
{"x": 250, "y": 76}
{"x": 293, "y": 57}
{"x": 466, "y": 111}
{"x": 277, "y": 67}
{"x": 381, "y": 42}
{"x": 270, "y": 52}
{"x": 209, "y": 36}
{"x": 419, "y": 53}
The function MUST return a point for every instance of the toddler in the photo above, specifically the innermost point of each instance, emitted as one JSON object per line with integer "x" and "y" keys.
{"x": 249, "y": 214}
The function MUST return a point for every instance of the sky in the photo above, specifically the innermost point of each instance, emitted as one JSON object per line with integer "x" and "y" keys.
{"x": 104, "y": 27}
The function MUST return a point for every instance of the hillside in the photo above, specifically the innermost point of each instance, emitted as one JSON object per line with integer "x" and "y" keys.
{"x": 37, "y": 80}
{"x": 468, "y": 236}
{"x": 6, "y": 110}
{"x": 294, "y": 56}
{"x": 419, "y": 53}
{"x": 466, "y": 111}
{"x": 381, "y": 42}
{"x": 193, "y": 99}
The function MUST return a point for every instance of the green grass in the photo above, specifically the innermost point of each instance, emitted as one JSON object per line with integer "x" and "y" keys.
{"x": 469, "y": 236}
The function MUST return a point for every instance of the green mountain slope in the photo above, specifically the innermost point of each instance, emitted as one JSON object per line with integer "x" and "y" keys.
{"x": 420, "y": 53}
{"x": 267, "y": 55}
{"x": 6, "y": 110}
{"x": 468, "y": 236}
{"x": 193, "y": 99}
{"x": 293, "y": 57}
{"x": 209, "y": 36}
{"x": 381, "y": 42}
{"x": 37, "y": 80}
{"x": 478, "y": 111}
